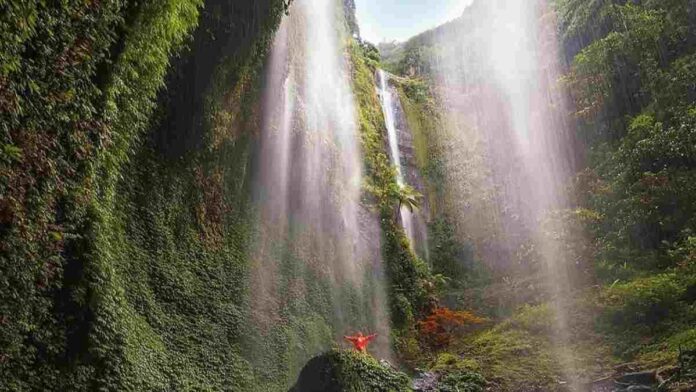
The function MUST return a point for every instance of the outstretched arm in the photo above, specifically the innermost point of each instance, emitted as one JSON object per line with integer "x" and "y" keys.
{"x": 370, "y": 337}
{"x": 350, "y": 338}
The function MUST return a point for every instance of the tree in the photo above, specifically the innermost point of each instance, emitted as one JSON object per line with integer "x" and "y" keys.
{"x": 409, "y": 198}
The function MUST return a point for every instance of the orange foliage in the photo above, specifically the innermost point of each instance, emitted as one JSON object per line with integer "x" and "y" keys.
{"x": 444, "y": 324}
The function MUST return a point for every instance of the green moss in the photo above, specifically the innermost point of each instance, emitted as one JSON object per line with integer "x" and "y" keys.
{"x": 408, "y": 276}
{"x": 448, "y": 362}
{"x": 350, "y": 371}
{"x": 665, "y": 352}
{"x": 514, "y": 358}
{"x": 461, "y": 381}
{"x": 649, "y": 318}
{"x": 121, "y": 269}
{"x": 424, "y": 121}
{"x": 78, "y": 86}
{"x": 360, "y": 372}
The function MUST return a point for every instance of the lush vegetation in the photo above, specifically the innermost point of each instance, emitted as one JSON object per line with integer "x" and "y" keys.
{"x": 120, "y": 268}
{"x": 630, "y": 228}
{"x": 78, "y": 84}
{"x": 126, "y": 220}
{"x": 632, "y": 78}
{"x": 409, "y": 281}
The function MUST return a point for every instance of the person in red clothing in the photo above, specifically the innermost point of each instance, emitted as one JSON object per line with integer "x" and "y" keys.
{"x": 360, "y": 341}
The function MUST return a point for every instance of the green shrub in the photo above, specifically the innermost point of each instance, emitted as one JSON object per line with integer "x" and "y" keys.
{"x": 362, "y": 373}
{"x": 410, "y": 291}
{"x": 666, "y": 350}
{"x": 644, "y": 302}
{"x": 537, "y": 319}
{"x": 448, "y": 362}
{"x": 461, "y": 381}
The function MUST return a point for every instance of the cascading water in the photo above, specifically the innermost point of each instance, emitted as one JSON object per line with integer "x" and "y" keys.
{"x": 407, "y": 172}
{"x": 316, "y": 259}
{"x": 390, "y": 122}
{"x": 508, "y": 144}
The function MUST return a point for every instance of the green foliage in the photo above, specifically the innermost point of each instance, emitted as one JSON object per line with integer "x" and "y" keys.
{"x": 514, "y": 357}
{"x": 538, "y": 319}
{"x": 644, "y": 302}
{"x": 448, "y": 362}
{"x": 77, "y": 84}
{"x": 449, "y": 256}
{"x": 11, "y": 153}
{"x": 119, "y": 269}
{"x": 410, "y": 291}
{"x": 457, "y": 373}
{"x": 656, "y": 310}
{"x": 359, "y": 372}
{"x": 422, "y": 115}
{"x": 632, "y": 79}
{"x": 461, "y": 381}
{"x": 370, "y": 54}
{"x": 665, "y": 351}
{"x": 409, "y": 198}
{"x": 643, "y": 169}
{"x": 520, "y": 353}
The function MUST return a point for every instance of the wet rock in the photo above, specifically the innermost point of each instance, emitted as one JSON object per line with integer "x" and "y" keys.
{"x": 639, "y": 388}
{"x": 638, "y": 378}
{"x": 628, "y": 380}
{"x": 425, "y": 382}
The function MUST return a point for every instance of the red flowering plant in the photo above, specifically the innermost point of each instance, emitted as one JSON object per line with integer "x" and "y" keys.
{"x": 443, "y": 325}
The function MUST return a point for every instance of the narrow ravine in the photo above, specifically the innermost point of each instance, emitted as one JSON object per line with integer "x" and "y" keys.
{"x": 348, "y": 195}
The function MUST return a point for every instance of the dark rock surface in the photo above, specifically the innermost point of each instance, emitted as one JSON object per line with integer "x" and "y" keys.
{"x": 627, "y": 379}
{"x": 638, "y": 378}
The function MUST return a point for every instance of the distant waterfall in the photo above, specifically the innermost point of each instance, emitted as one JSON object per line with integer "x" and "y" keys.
{"x": 388, "y": 109}
{"x": 413, "y": 222}
{"x": 316, "y": 254}
{"x": 390, "y": 122}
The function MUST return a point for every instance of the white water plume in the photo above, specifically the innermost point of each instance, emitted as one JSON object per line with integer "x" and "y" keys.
{"x": 508, "y": 143}
{"x": 317, "y": 254}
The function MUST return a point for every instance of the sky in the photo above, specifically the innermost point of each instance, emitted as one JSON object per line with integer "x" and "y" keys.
{"x": 399, "y": 20}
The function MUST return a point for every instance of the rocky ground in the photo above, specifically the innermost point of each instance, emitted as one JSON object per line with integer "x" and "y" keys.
{"x": 349, "y": 371}
{"x": 629, "y": 378}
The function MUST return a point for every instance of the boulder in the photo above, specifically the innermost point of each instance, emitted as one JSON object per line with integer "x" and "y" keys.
{"x": 425, "y": 382}
{"x": 638, "y": 378}
{"x": 349, "y": 371}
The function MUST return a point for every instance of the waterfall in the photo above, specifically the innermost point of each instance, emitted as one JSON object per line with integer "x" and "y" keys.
{"x": 508, "y": 143}
{"x": 388, "y": 104}
{"x": 316, "y": 255}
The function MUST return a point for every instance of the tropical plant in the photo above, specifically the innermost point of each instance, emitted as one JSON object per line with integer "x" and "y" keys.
{"x": 409, "y": 197}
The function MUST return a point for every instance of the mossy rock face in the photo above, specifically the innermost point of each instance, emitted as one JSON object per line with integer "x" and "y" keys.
{"x": 349, "y": 371}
